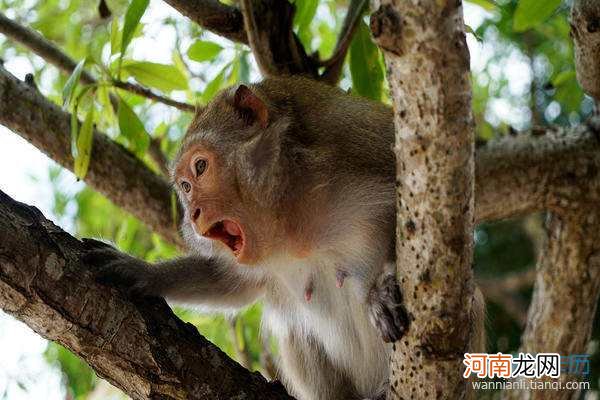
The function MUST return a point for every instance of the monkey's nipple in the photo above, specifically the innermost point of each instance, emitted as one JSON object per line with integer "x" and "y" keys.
{"x": 308, "y": 290}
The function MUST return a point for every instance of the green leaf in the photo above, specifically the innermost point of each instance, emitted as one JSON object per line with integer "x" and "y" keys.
{"x": 365, "y": 64}
{"x": 213, "y": 86}
{"x": 305, "y": 12}
{"x": 115, "y": 37}
{"x": 132, "y": 128}
{"x": 470, "y": 30}
{"x": 72, "y": 83}
{"x": 530, "y": 13}
{"x": 327, "y": 36}
{"x": 488, "y": 5}
{"x": 132, "y": 18}
{"x": 108, "y": 112}
{"x": 202, "y": 50}
{"x": 84, "y": 145}
{"x": 74, "y": 132}
{"x": 563, "y": 77}
{"x": 160, "y": 76}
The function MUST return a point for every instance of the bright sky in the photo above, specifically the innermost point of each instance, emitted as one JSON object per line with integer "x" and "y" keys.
{"x": 27, "y": 180}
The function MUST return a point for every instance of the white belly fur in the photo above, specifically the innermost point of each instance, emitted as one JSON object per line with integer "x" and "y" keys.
{"x": 336, "y": 317}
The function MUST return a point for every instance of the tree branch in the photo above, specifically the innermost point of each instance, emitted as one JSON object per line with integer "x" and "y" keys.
{"x": 435, "y": 192}
{"x": 139, "y": 346}
{"x": 275, "y": 46}
{"x": 534, "y": 171}
{"x": 566, "y": 291}
{"x": 149, "y": 94}
{"x": 260, "y": 48}
{"x": 214, "y": 16}
{"x": 334, "y": 65}
{"x": 51, "y": 53}
{"x": 277, "y": 49}
{"x": 113, "y": 171}
{"x": 585, "y": 31}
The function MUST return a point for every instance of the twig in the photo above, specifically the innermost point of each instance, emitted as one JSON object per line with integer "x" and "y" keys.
{"x": 145, "y": 92}
{"x": 51, "y": 53}
{"x": 40, "y": 46}
{"x": 333, "y": 65}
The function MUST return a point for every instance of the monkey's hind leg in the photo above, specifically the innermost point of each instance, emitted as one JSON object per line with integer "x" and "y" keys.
{"x": 309, "y": 374}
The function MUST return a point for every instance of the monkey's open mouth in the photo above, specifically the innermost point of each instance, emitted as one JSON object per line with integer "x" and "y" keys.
{"x": 229, "y": 232}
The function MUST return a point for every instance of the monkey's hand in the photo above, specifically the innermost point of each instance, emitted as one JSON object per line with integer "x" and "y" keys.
{"x": 113, "y": 267}
{"x": 386, "y": 309}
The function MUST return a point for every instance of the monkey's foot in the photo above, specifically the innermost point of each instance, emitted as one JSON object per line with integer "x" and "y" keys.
{"x": 115, "y": 268}
{"x": 386, "y": 309}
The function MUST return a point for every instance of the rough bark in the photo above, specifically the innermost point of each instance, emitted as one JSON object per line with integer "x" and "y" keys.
{"x": 536, "y": 171}
{"x": 428, "y": 69}
{"x": 585, "y": 31}
{"x": 217, "y": 17}
{"x": 139, "y": 346}
{"x": 566, "y": 292}
{"x": 267, "y": 28}
{"x": 113, "y": 171}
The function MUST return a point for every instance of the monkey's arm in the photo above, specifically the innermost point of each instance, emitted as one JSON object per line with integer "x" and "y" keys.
{"x": 194, "y": 279}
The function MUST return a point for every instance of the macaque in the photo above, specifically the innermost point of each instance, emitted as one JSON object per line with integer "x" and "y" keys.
{"x": 288, "y": 192}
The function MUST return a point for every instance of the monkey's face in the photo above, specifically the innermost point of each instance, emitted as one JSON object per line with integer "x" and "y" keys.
{"x": 226, "y": 175}
{"x": 214, "y": 208}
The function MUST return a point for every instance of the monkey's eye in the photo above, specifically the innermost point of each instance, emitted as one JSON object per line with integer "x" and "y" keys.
{"x": 186, "y": 186}
{"x": 200, "y": 166}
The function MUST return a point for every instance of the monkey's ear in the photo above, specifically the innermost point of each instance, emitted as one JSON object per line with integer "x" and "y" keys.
{"x": 251, "y": 108}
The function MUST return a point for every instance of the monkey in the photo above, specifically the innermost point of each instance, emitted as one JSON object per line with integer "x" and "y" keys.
{"x": 287, "y": 188}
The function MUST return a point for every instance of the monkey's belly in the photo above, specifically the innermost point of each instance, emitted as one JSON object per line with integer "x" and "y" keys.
{"x": 337, "y": 320}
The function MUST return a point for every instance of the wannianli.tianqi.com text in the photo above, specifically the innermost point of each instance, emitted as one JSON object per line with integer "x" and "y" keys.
{"x": 530, "y": 385}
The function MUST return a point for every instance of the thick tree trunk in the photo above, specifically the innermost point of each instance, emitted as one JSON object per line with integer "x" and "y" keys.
{"x": 139, "y": 346}
{"x": 428, "y": 70}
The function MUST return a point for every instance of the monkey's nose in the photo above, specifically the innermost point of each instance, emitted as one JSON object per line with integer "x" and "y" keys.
{"x": 196, "y": 215}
